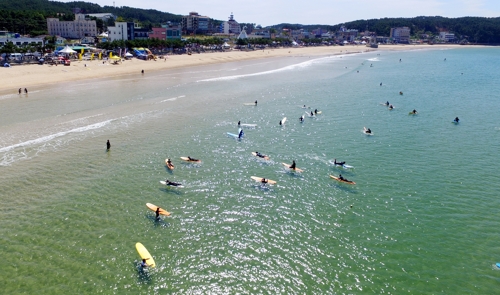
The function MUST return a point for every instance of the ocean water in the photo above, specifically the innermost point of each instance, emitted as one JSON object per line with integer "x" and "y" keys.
{"x": 421, "y": 219}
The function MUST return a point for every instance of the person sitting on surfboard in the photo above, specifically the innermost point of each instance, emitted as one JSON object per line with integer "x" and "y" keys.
{"x": 368, "y": 130}
{"x": 239, "y": 122}
{"x": 157, "y": 212}
{"x": 414, "y": 111}
{"x": 391, "y": 107}
{"x": 312, "y": 114}
{"x": 316, "y": 111}
{"x": 301, "y": 119}
{"x": 387, "y": 103}
{"x": 169, "y": 162}
{"x": 293, "y": 165}
{"x": 456, "y": 120}
{"x": 338, "y": 163}
{"x": 342, "y": 178}
{"x": 241, "y": 134}
{"x": 255, "y": 102}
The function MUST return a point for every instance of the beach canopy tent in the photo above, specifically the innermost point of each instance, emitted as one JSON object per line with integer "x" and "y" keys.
{"x": 128, "y": 54}
{"x": 225, "y": 45}
{"x": 67, "y": 50}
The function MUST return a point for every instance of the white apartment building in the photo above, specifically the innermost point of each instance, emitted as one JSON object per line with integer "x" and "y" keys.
{"x": 447, "y": 36}
{"x": 401, "y": 34}
{"x": 231, "y": 26}
{"x": 76, "y": 29}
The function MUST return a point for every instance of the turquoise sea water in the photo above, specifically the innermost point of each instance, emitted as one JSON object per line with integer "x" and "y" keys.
{"x": 422, "y": 218}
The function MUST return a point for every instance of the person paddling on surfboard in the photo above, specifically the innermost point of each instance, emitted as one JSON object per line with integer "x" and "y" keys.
{"x": 368, "y": 131}
{"x": 192, "y": 159}
{"x": 391, "y": 107}
{"x": 414, "y": 111}
{"x": 312, "y": 114}
{"x": 293, "y": 166}
{"x": 260, "y": 155}
{"x": 168, "y": 182}
{"x": 255, "y": 102}
{"x": 456, "y": 120}
{"x": 108, "y": 145}
{"x": 338, "y": 163}
{"x": 387, "y": 103}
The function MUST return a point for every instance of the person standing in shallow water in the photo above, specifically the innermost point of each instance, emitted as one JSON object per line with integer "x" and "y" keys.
{"x": 19, "y": 90}
{"x": 108, "y": 145}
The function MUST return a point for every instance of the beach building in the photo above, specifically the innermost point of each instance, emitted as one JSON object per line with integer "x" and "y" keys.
{"x": 400, "y": 35}
{"x": 231, "y": 26}
{"x": 121, "y": 31}
{"x": 195, "y": 23}
{"x": 166, "y": 32}
{"x": 77, "y": 29}
{"x": 300, "y": 34}
{"x": 21, "y": 41}
{"x": 344, "y": 34}
{"x": 447, "y": 36}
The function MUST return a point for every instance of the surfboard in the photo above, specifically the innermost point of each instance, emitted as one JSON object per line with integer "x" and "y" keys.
{"x": 250, "y": 104}
{"x": 309, "y": 114}
{"x": 232, "y": 134}
{"x": 318, "y": 112}
{"x": 265, "y": 157}
{"x": 288, "y": 166}
{"x": 154, "y": 207}
{"x": 412, "y": 113}
{"x": 498, "y": 264}
{"x": 341, "y": 180}
{"x": 188, "y": 160}
{"x": 364, "y": 131}
{"x": 248, "y": 125}
{"x": 455, "y": 122}
{"x": 144, "y": 253}
{"x": 259, "y": 179}
{"x": 283, "y": 121}
{"x": 165, "y": 183}
{"x": 343, "y": 166}
{"x": 170, "y": 166}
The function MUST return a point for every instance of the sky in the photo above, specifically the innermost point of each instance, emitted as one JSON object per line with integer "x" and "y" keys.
{"x": 324, "y": 12}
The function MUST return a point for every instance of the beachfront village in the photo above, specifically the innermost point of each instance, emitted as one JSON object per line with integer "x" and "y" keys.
{"x": 82, "y": 38}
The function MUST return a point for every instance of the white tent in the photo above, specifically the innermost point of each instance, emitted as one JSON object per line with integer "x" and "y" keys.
{"x": 225, "y": 45}
{"x": 128, "y": 54}
{"x": 67, "y": 50}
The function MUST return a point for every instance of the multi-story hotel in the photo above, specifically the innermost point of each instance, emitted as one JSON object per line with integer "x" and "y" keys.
{"x": 195, "y": 23}
{"x": 77, "y": 29}
{"x": 400, "y": 35}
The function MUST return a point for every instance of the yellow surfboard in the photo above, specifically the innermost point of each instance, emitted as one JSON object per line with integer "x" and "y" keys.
{"x": 144, "y": 253}
{"x": 153, "y": 207}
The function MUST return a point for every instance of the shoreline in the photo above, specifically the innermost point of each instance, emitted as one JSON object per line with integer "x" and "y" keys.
{"x": 34, "y": 76}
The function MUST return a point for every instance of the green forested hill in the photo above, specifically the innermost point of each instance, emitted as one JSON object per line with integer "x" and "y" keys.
{"x": 475, "y": 29}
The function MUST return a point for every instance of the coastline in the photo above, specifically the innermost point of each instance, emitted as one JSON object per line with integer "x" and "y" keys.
{"x": 33, "y": 76}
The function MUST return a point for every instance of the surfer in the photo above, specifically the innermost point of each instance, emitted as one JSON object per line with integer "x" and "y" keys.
{"x": 390, "y": 107}
{"x": 293, "y": 166}
{"x": 25, "y": 90}
{"x": 168, "y": 182}
{"x": 239, "y": 123}
{"x": 240, "y": 135}
{"x": 255, "y": 102}
{"x": 142, "y": 72}
{"x": 400, "y": 92}
{"x": 108, "y": 145}
{"x": 157, "y": 212}
{"x": 387, "y": 103}
{"x": 456, "y": 120}
{"x": 342, "y": 178}
{"x": 260, "y": 155}
{"x": 263, "y": 180}
{"x": 169, "y": 162}
{"x": 301, "y": 119}
{"x": 280, "y": 123}
{"x": 368, "y": 131}
{"x": 338, "y": 163}
{"x": 380, "y": 83}
{"x": 144, "y": 265}
{"x": 312, "y": 114}
{"x": 192, "y": 159}
{"x": 315, "y": 111}
{"x": 414, "y": 111}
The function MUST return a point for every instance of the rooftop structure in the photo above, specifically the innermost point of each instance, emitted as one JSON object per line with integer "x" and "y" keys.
{"x": 231, "y": 26}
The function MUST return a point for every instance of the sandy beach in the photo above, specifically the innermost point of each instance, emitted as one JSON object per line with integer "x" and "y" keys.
{"x": 32, "y": 76}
